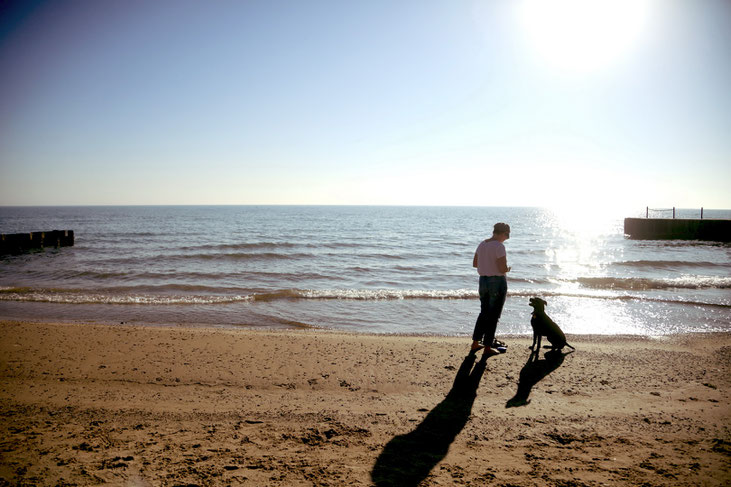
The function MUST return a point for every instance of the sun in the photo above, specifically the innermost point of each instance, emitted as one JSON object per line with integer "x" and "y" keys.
{"x": 583, "y": 36}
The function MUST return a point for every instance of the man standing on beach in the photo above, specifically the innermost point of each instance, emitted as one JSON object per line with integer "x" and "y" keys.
{"x": 492, "y": 265}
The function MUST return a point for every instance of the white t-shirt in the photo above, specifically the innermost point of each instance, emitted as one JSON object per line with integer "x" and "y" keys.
{"x": 487, "y": 254}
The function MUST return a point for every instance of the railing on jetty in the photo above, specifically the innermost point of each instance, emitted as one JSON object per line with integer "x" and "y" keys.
{"x": 677, "y": 228}
{"x": 648, "y": 210}
{"x": 17, "y": 243}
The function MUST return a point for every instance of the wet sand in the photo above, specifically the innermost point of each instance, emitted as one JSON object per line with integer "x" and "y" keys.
{"x": 89, "y": 404}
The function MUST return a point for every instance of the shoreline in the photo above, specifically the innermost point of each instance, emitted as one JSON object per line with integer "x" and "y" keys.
{"x": 299, "y": 328}
{"x": 167, "y": 405}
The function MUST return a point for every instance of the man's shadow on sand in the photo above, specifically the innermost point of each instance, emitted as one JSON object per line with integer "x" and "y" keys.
{"x": 533, "y": 372}
{"x": 407, "y": 459}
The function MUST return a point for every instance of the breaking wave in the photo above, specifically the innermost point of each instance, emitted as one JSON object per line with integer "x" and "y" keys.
{"x": 645, "y": 284}
{"x": 669, "y": 264}
{"x": 197, "y": 296}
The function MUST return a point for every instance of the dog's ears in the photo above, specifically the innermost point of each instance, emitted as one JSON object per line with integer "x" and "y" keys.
{"x": 543, "y": 301}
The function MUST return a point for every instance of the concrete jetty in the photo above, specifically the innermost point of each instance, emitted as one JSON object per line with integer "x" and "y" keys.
{"x": 677, "y": 229}
{"x": 16, "y": 243}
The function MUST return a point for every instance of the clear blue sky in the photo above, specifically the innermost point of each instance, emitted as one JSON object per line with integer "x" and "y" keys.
{"x": 425, "y": 102}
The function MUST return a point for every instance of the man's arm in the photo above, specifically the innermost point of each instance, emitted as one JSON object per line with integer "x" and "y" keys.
{"x": 474, "y": 260}
{"x": 502, "y": 264}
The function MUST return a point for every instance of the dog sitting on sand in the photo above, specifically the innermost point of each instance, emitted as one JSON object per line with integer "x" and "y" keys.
{"x": 543, "y": 326}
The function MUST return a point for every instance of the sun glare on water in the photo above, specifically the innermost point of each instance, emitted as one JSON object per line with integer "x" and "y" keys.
{"x": 586, "y": 220}
{"x": 583, "y": 36}
{"x": 582, "y": 250}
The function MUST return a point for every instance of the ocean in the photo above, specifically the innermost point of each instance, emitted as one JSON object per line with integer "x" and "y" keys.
{"x": 395, "y": 270}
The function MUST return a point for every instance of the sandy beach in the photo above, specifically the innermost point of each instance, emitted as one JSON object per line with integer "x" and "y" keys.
{"x": 126, "y": 405}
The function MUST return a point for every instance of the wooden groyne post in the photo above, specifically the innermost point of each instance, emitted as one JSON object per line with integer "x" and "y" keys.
{"x": 16, "y": 243}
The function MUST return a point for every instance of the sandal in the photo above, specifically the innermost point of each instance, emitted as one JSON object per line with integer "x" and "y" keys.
{"x": 476, "y": 349}
{"x": 501, "y": 347}
{"x": 489, "y": 352}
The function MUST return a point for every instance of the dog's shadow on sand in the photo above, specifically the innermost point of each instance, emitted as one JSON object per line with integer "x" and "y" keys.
{"x": 533, "y": 372}
{"x": 407, "y": 459}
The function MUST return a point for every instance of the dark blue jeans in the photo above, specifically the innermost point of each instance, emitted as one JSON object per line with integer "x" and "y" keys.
{"x": 493, "y": 290}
